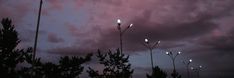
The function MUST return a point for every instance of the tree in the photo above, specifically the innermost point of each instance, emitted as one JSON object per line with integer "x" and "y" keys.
{"x": 10, "y": 57}
{"x": 36, "y": 71}
{"x": 175, "y": 74}
{"x": 157, "y": 73}
{"x": 115, "y": 66}
{"x": 68, "y": 67}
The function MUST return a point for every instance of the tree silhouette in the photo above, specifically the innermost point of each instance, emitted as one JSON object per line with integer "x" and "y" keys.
{"x": 68, "y": 67}
{"x": 157, "y": 73}
{"x": 71, "y": 66}
{"x": 175, "y": 74}
{"x": 36, "y": 71}
{"x": 115, "y": 66}
{"x": 10, "y": 57}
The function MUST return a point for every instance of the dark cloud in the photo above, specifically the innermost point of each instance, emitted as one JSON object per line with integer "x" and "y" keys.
{"x": 221, "y": 43}
{"x": 167, "y": 33}
{"x": 171, "y": 24}
{"x": 72, "y": 50}
{"x": 144, "y": 29}
{"x": 14, "y": 11}
{"x": 53, "y": 38}
{"x": 29, "y": 34}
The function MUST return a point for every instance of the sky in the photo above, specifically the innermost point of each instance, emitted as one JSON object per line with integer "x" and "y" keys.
{"x": 201, "y": 29}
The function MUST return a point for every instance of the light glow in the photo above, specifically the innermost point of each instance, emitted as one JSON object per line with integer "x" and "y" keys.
{"x": 179, "y": 52}
{"x": 146, "y": 40}
{"x": 159, "y": 42}
{"x": 167, "y": 53}
{"x": 200, "y": 66}
{"x": 130, "y": 25}
{"x": 118, "y": 21}
{"x": 190, "y": 60}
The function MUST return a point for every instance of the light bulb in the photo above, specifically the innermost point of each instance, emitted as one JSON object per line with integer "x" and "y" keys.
{"x": 130, "y": 25}
{"x": 118, "y": 21}
{"x": 167, "y": 53}
{"x": 146, "y": 40}
{"x": 190, "y": 60}
{"x": 179, "y": 52}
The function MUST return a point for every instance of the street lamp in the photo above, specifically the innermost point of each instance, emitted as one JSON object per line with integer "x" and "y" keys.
{"x": 173, "y": 57}
{"x": 150, "y": 47}
{"x": 121, "y": 32}
{"x": 187, "y": 66}
{"x": 198, "y": 69}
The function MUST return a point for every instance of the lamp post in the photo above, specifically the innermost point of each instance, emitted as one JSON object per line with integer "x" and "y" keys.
{"x": 197, "y": 70}
{"x": 37, "y": 30}
{"x": 150, "y": 47}
{"x": 36, "y": 37}
{"x": 121, "y": 32}
{"x": 187, "y": 66}
{"x": 173, "y": 57}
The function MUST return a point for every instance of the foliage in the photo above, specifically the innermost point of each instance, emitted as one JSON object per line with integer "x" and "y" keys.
{"x": 9, "y": 55}
{"x": 175, "y": 74}
{"x": 157, "y": 73}
{"x": 115, "y": 66}
{"x": 68, "y": 67}
{"x": 71, "y": 67}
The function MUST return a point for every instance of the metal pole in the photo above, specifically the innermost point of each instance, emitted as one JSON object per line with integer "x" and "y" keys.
{"x": 120, "y": 37}
{"x": 188, "y": 71}
{"x": 151, "y": 57}
{"x": 37, "y": 29}
{"x": 174, "y": 74}
{"x": 121, "y": 42}
{"x": 198, "y": 73}
{"x": 173, "y": 63}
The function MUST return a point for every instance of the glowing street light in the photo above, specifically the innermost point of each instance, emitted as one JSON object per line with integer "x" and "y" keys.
{"x": 173, "y": 57}
{"x": 190, "y": 60}
{"x": 198, "y": 69}
{"x": 187, "y": 66}
{"x": 147, "y": 41}
{"x": 121, "y": 32}
{"x": 151, "y": 47}
{"x": 130, "y": 25}
{"x": 118, "y": 21}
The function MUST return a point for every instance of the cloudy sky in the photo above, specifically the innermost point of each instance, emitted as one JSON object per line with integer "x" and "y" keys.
{"x": 201, "y": 29}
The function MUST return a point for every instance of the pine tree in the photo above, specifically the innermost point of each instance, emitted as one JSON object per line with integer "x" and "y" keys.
{"x": 10, "y": 57}
{"x": 70, "y": 67}
{"x": 157, "y": 73}
{"x": 116, "y": 65}
{"x": 175, "y": 74}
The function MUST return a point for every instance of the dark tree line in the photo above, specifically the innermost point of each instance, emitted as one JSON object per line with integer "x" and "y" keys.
{"x": 116, "y": 64}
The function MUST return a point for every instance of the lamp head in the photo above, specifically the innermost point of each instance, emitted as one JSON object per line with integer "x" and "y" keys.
{"x": 192, "y": 68}
{"x": 179, "y": 52}
{"x": 159, "y": 42}
{"x": 118, "y": 21}
{"x": 130, "y": 25}
{"x": 190, "y": 60}
{"x": 146, "y": 41}
{"x": 167, "y": 53}
{"x": 200, "y": 66}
